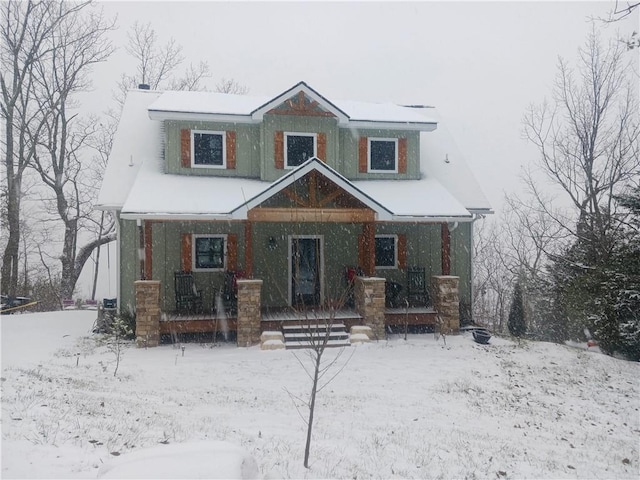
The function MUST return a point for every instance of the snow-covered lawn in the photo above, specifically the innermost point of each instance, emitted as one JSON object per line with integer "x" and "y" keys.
{"x": 399, "y": 409}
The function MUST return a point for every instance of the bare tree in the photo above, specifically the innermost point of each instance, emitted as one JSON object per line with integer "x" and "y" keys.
{"x": 231, "y": 86}
{"x": 157, "y": 64}
{"x": 61, "y": 158}
{"x": 588, "y": 142}
{"x": 588, "y": 139}
{"x": 25, "y": 29}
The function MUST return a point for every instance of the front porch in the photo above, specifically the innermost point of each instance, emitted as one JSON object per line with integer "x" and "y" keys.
{"x": 173, "y": 324}
{"x": 252, "y": 320}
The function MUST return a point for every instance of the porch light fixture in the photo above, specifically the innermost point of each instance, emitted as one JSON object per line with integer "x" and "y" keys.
{"x": 272, "y": 243}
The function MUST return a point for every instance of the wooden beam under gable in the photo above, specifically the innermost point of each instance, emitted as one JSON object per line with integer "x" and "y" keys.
{"x": 306, "y": 215}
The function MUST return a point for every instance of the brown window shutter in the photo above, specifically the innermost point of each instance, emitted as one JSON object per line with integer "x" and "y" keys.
{"x": 402, "y": 155}
{"x": 402, "y": 251}
{"x": 185, "y": 147}
{"x": 362, "y": 155}
{"x": 322, "y": 147}
{"x": 232, "y": 252}
{"x": 187, "y": 252}
{"x": 231, "y": 150}
{"x": 279, "y": 149}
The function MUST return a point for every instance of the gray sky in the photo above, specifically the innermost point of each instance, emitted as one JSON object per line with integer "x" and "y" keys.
{"x": 480, "y": 63}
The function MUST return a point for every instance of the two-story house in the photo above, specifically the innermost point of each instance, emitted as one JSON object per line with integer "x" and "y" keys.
{"x": 297, "y": 190}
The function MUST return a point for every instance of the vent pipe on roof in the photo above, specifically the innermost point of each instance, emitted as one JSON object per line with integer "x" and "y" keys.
{"x": 144, "y": 86}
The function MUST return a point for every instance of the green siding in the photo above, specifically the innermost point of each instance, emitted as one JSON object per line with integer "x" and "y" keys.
{"x": 272, "y": 265}
{"x": 302, "y": 124}
{"x": 350, "y": 139}
{"x": 166, "y": 258}
{"x": 461, "y": 259}
{"x": 247, "y": 151}
{"x": 255, "y": 151}
{"x": 129, "y": 264}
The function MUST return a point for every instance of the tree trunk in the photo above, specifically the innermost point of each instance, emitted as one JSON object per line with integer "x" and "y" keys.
{"x": 312, "y": 406}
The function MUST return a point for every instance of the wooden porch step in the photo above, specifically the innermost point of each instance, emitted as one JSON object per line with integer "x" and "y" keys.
{"x": 303, "y": 335}
{"x": 300, "y": 345}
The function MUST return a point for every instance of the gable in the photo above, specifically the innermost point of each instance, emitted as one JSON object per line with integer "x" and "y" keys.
{"x": 313, "y": 190}
{"x": 301, "y": 104}
{"x": 314, "y": 186}
{"x": 301, "y": 99}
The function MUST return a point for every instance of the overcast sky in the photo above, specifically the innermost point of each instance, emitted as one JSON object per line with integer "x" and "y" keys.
{"x": 480, "y": 63}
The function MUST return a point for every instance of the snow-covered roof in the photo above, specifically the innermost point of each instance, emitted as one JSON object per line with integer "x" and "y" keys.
{"x": 137, "y": 140}
{"x": 249, "y": 109}
{"x": 441, "y": 159}
{"x": 135, "y": 181}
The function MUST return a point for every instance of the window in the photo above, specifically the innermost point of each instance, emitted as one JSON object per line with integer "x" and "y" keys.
{"x": 299, "y": 147}
{"x": 386, "y": 251}
{"x": 208, "y": 149}
{"x": 209, "y": 252}
{"x": 383, "y": 155}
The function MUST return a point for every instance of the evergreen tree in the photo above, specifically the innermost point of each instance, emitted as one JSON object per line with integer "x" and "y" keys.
{"x": 516, "y": 324}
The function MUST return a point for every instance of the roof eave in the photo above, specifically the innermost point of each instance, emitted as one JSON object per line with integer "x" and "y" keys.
{"x": 176, "y": 216}
{"x": 432, "y": 218}
{"x": 417, "y": 126}
{"x": 206, "y": 117}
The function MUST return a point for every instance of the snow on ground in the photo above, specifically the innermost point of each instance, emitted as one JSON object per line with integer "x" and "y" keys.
{"x": 399, "y": 409}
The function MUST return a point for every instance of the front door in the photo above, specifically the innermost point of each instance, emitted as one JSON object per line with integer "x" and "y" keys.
{"x": 306, "y": 270}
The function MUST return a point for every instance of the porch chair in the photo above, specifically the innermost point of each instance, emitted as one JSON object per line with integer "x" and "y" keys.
{"x": 417, "y": 293}
{"x": 188, "y": 298}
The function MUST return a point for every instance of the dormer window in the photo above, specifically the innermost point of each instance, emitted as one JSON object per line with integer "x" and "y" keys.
{"x": 383, "y": 155}
{"x": 208, "y": 149}
{"x": 299, "y": 147}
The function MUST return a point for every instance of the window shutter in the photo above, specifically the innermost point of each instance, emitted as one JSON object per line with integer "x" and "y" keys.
{"x": 231, "y": 150}
{"x": 232, "y": 252}
{"x": 322, "y": 147}
{"x": 362, "y": 155}
{"x": 402, "y": 155}
{"x": 186, "y": 252}
{"x": 185, "y": 147}
{"x": 279, "y": 149}
{"x": 402, "y": 251}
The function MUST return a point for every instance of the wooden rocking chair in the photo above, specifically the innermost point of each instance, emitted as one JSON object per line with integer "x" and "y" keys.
{"x": 188, "y": 298}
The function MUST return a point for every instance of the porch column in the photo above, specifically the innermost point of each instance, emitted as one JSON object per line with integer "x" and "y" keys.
{"x": 249, "y": 315}
{"x": 147, "y": 313}
{"x": 248, "y": 249}
{"x": 446, "y": 301}
{"x": 367, "y": 248}
{"x": 148, "y": 253}
{"x": 369, "y": 303}
{"x": 446, "y": 249}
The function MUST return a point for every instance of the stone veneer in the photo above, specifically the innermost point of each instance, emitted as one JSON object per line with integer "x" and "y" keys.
{"x": 147, "y": 313}
{"x": 369, "y": 303}
{"x": 249, "y": 314}
{"x": 446, "y": 301}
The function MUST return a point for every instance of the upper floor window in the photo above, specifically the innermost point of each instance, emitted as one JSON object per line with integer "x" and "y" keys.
{"x": 208, "y": 149}
{"x": 386, "y": 251}
{"x": 299, "y": 147}
{"x": 209, "y": 252}
{"x": 383, "y": 155}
